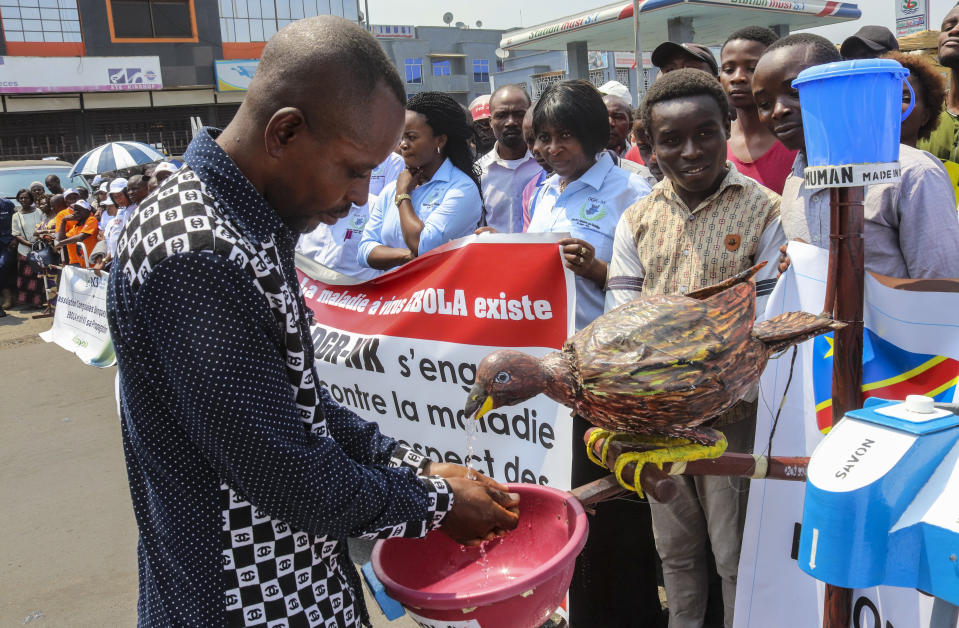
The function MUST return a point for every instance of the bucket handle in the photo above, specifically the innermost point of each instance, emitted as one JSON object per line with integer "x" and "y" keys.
{"x": 912, "y": 99}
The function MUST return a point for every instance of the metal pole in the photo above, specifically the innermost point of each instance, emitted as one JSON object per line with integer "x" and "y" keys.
{"x": 846, "y": 240}
{"x": 637, "y": 90}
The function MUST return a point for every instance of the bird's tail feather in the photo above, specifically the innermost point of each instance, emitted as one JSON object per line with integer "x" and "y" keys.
{"x": 785, "y": 330}
{"x": 704, "y": 293}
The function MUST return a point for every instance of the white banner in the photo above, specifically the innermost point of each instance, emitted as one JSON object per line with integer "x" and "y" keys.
{"x": 402, "y": 349}
{"x": 80, "y": 323}
{"x": 37, "y": 75}
{"x": 910, "y": 346}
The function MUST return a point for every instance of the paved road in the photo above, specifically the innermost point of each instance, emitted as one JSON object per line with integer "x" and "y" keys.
{"x": 68, "y": 543}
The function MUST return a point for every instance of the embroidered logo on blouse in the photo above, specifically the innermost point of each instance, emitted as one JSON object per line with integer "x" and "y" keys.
{"x": 593, "y": 209}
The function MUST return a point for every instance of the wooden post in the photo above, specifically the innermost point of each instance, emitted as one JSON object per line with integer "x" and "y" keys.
{"x": 846, "y": 302}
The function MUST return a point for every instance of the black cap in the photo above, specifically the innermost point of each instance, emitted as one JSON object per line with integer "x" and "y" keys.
{"x": 879, "y": 39}
{"x": 668, "y": 49}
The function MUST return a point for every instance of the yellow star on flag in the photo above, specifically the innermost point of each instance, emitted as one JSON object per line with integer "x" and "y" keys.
{"x": 831, "y": 347}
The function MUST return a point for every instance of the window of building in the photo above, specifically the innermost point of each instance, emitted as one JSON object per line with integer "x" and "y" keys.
{"x": 41, "y": 20}
{"x": 244, "y": 21}
{"x": 481, "y": 70}
{"x": 152, "y": 19}
{"x": 414, "y": 70}
{"x": 441, "y": 68}
{"x": 597, "y": 77}
{"x": 542, "y": 81}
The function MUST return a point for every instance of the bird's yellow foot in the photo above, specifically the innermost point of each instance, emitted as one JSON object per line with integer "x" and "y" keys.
{"x": 660, "y": 450}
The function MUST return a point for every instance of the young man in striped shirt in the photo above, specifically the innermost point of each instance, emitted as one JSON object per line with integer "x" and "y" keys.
{"x": 705, "y": 222}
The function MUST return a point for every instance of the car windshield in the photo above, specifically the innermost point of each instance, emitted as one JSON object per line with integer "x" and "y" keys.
{"x": 18, "y": 178}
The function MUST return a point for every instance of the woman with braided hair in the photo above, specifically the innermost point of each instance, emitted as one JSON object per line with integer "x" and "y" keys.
{"x": 437, "y": 198}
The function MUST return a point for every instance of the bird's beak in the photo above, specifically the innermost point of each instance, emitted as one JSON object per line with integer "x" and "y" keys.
{"x": 478, "y": 402}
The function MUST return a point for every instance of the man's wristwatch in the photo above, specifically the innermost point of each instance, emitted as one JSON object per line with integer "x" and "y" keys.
{"x": 400, "y": 198}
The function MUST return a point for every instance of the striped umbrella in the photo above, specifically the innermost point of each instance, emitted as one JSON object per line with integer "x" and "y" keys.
{"x": 114, "y": 156}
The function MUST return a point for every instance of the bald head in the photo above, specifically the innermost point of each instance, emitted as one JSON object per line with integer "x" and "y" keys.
{"x": 507, "y": 106}
{"x": 324, "y": 108}
{"x": 508, "y": 91}
{"x": 324, "y": 66}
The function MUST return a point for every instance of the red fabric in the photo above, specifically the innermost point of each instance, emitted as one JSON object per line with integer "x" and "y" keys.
{"x": 633, "y": 155}
{"x": 771, "y": 169}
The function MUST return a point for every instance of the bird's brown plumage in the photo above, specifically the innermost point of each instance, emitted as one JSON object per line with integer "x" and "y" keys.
{"x": 663, "y": 364}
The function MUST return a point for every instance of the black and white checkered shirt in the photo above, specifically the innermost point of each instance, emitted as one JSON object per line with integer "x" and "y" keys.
{"x": 246, "y": 477}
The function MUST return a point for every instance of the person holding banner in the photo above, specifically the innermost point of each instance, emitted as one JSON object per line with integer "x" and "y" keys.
{"x": 614, "y": 583}
{"x": 437, "y": 198}
{"x": 246, "y": 477}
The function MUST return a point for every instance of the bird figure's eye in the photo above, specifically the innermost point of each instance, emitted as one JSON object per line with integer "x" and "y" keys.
{"x": 501, "y": 378}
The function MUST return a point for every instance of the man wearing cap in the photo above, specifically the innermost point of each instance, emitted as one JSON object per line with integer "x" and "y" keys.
{"x": 508, "y": 167}
{"x": 479, "y": 111}
{"x": 669, "y": 56}
{"x": 944, "y": 141}
{"x": 83, "y": 233}
{"x": 71, "y": 196}
{"x": 103, "y": 191}
{"x": 127, "y": 195}
{"x": 163, "y": 171}
{"x": 619, "y": 104}
{"x": 869, "y": 42}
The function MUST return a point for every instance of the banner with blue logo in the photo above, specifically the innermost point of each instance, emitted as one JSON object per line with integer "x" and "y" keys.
{"x": 234, "y": 75}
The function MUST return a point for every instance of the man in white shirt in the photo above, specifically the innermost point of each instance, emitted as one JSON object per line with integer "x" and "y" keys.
{"x": 384, "y": 174}
{"x": 335, "y": 246}
{"x": 509, "y": 166}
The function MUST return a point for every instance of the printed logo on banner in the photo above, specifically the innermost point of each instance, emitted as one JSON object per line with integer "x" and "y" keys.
{"x": 909, "y": 6}
{"x": 889, "y": 372}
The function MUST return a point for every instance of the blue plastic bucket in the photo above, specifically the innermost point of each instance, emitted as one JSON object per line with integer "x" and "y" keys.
{"x": 852, "y": 111}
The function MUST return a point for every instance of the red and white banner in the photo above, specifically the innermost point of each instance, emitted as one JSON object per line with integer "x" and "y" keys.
{"x": 402, "y": 349}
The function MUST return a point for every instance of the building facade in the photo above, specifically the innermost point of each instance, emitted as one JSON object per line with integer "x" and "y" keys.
{"x": 536, "y": 70}
{"x": 75, "y": 74}
{"x": 456, "y": 60}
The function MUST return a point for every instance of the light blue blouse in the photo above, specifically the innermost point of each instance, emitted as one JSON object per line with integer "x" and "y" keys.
{"x": 449, "y": 205}
{"x": 588, "y": 209}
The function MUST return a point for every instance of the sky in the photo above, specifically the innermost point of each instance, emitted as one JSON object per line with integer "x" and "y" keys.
{"x": 505, "y": 14}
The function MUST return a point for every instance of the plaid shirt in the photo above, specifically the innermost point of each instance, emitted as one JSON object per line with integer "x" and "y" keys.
{"x": 663, "y": 247}
{"x": 246, "y": 477}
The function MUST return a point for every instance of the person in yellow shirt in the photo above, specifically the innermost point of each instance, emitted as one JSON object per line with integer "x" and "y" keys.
{"x": 83, "y": 232}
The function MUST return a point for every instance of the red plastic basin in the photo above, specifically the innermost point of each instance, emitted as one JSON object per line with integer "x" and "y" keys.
{"x": 526, "y": 577}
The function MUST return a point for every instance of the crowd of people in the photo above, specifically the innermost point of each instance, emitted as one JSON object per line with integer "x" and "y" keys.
{"x": 49, "y": 228}
{"x": 699, "y": 182}
{"x": 231, "y": 444}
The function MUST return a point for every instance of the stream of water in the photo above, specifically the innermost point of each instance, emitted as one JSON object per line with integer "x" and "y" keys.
{"x": 471, "y": 431}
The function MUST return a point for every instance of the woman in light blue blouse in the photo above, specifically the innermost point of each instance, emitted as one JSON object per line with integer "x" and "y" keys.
{"x": 437, "y": 198}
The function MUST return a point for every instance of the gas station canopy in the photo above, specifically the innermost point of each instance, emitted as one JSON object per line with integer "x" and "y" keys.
{"x": 611, "y": 27}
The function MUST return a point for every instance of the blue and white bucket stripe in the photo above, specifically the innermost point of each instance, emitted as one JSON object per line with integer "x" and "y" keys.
{"x": 114, "y": 156}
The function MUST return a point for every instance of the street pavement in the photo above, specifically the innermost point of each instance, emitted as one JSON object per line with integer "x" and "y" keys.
{"x": 68, "y": 541}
